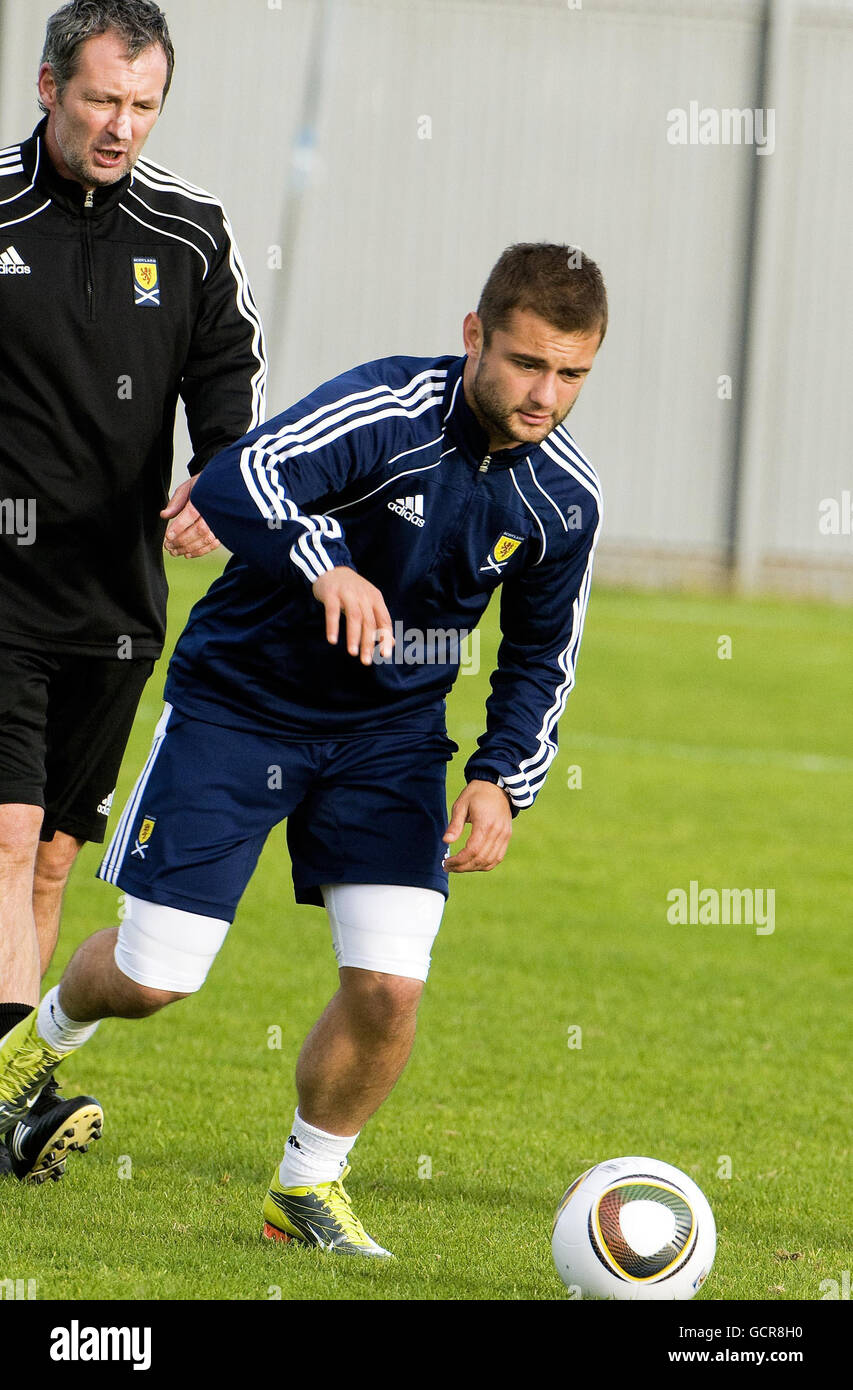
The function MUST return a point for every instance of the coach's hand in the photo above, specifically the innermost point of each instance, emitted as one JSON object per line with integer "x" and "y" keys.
{"x": 487, "y": 807}
{"x": 189, "y": 534}
{"x": 341, "y": 590}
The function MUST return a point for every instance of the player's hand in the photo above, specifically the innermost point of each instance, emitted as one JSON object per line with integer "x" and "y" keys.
{"x": 487, "y": 807}
{"x": 188, "y": 534}
{"x": 341, "y": 590}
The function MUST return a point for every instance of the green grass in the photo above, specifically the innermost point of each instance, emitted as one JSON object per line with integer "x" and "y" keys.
{"x": 698, "y": 1042}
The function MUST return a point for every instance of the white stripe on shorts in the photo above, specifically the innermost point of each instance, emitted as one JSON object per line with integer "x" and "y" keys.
{"x": 114, "y": 857}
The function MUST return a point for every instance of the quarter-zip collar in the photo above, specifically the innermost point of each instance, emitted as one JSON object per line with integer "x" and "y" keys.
{"x": 67, "y": 193}
{"x": 465, "y": 430}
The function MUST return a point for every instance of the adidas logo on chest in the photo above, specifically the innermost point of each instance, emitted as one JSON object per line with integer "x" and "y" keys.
{"x": 12, "y": 264}
{"x": 409, "y": 508}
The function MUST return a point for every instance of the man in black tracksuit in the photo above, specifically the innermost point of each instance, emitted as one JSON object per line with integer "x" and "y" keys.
{"x": 121, "y": 289}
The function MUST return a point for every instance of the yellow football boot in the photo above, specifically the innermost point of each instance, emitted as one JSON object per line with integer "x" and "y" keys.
{"x": 321, "y": 1216}
{"x": 26, "y": 1064}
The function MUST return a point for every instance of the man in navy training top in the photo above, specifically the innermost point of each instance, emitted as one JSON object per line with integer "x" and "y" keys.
{"x": 369, "y": 524}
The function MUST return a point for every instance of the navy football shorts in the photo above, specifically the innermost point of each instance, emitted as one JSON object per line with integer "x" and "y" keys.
{"x": 368, "y": 808}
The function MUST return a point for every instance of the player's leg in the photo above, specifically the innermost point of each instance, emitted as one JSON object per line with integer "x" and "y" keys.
{"x": 157, "y": 956}
{"x": 169, "y": 950}
{"x": 353, "y": 1057}
{"x": 357, "y": 1049}
{"x": 95, "y": 987}
{"x": 380, "y": 827}
{"x": 382, "y": 935}
{"x": 40, "y": 1133}
{"x": 184, "y": 838}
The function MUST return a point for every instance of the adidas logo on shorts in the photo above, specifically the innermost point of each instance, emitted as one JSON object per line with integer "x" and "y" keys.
{"x": 410, "y": 508}
{"x": 12, "y": 264}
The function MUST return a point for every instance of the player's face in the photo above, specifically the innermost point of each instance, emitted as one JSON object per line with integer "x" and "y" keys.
{"x": 97, "y": 128}
{"x": 526, "y": 381}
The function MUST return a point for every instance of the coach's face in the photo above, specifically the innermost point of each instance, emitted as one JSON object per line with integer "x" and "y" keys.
{"x": 96, "y": 128}
{"x": 526, "y": 381}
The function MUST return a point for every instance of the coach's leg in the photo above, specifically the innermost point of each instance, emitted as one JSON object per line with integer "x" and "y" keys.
{"x": 357, "y": 1049}
{"x": 19, "y": 950}
{"x": 54, "y": 861}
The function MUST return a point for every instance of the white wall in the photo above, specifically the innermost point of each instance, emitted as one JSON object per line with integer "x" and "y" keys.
{"x": 547, "y": 122}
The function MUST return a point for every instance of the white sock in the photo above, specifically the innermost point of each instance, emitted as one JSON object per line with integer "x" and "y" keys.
{"x": 312, "y": 1156}
{"x": 59, "y": 1031}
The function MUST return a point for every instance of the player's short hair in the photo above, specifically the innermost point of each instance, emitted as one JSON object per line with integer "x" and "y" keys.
{"x": 559, "y": 283}
{"x": 138, "y": 22}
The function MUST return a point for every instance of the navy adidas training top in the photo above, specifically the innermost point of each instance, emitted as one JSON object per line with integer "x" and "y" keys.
{"x": 386, "y": 469}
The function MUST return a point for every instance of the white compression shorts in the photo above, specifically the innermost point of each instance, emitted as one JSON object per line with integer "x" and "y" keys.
{"x": 388, "y": 928}
{"x": 165, "y": 948}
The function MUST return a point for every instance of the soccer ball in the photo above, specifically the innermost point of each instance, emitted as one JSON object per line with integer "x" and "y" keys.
{"x": 634, "y": 1228}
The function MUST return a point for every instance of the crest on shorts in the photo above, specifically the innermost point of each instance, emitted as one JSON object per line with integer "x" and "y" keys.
{"x": 146, "y": 281}
{"x": 145, "y": 831}
{"x": 505, "y": 546}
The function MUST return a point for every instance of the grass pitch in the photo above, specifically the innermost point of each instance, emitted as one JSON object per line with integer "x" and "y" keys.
{"x": 566, "y": 1020}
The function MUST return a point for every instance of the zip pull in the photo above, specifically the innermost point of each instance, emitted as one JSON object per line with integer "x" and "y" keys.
{"x": 484, "y": 466}
{"x": 89, "y": 200}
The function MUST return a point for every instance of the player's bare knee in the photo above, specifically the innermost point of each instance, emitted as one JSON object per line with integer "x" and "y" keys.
{"x": 141, "y": 1001}
{"x": 383, "y": 1004}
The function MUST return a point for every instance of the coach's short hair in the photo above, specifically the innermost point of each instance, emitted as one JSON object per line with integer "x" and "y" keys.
{"x": 559, "y": 283}
{"x": 138, "y": 22}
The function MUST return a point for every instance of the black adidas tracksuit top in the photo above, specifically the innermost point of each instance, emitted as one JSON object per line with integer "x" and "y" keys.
{"x": 112, "y": 304}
